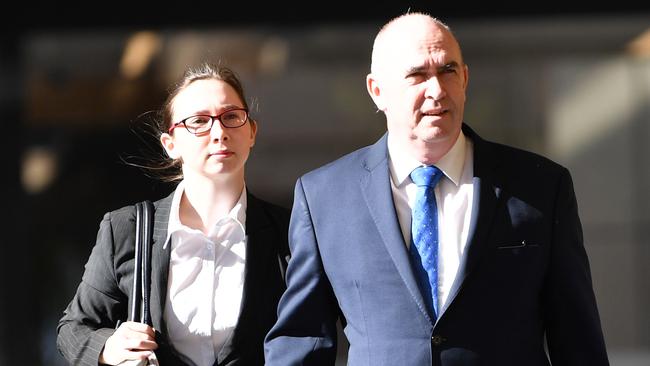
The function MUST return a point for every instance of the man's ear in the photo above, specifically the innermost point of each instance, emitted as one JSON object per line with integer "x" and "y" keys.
{"x": 466, "y": 75}
{"x": 375, "y": 91}
{"x": 167, "y": 142}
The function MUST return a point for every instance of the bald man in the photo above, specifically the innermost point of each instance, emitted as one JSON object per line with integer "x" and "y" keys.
{"x": 511, "y": 283}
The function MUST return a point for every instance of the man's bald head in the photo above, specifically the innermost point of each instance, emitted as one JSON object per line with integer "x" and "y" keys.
{"x": 391, "y": 36}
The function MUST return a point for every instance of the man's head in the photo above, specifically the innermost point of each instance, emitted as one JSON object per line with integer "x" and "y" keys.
{"x": 418, "y": 79}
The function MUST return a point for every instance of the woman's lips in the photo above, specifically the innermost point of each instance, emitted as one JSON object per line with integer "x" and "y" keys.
{"x": 221, "y": 154}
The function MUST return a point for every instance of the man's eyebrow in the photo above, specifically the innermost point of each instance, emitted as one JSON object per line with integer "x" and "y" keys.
{"x": 449, "y": 65}
{"x": 423, "y": 68}
{"x": 416, "y": 69}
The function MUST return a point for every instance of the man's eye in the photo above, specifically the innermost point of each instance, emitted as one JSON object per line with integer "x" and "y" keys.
{"x": 416, "y": 77}
{"x": 447, "y": 69}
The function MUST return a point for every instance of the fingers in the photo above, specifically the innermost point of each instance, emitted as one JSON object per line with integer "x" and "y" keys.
{"x": 136, "y": 327}
{"x": 131, "y": 341}
{"x": 116, "y": 358}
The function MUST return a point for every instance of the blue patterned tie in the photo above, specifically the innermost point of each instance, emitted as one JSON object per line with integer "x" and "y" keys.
{"x": 424, "y": 235}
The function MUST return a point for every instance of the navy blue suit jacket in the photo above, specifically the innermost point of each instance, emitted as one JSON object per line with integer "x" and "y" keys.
{"x": 524, "y": 276}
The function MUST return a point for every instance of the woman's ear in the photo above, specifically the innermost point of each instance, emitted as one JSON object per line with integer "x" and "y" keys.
{"x": 167, "y": 142}
{"x": 253, "y": 124}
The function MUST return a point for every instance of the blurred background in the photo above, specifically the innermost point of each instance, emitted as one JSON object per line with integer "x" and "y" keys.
{"x": 77, "y": 83}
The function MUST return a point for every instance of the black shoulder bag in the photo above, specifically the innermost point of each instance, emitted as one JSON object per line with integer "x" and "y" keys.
{"x": 139, "y": 311}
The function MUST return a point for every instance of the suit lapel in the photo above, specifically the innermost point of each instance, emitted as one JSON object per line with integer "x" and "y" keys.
{"x": 485, "y": 201}
{"x": 160, "y": 262}
{"x": 259, "y": 247}
{"x": 376, "y": 188}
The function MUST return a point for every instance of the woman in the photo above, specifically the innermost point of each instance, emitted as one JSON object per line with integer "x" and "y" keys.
{"x": 218, "y": 252}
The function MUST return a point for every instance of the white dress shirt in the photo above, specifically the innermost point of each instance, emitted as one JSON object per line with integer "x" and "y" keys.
{"x": 454, "y": 193}
{"x": 206, "y": 280}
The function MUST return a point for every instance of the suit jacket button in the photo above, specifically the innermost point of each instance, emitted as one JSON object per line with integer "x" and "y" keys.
{"x": 437, "y": 340}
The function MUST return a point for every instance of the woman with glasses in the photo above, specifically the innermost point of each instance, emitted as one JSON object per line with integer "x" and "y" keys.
{"x": 218, "y": 253}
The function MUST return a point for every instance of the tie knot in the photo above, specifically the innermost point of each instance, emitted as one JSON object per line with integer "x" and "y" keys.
{"x": 426, "y": 176}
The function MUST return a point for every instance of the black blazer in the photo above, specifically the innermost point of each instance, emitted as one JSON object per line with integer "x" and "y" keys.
{"x": 103, "y": 296}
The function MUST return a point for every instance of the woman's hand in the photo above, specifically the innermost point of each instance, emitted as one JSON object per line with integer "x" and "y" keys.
{"x": 131, "y": 341}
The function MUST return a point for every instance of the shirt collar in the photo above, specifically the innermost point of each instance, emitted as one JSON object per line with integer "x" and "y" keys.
{"x": 237, "y": 213}
{"x": 401, "y": 164}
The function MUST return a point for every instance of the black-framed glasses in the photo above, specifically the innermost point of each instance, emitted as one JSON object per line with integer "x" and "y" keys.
{"x": 202, "y": 123}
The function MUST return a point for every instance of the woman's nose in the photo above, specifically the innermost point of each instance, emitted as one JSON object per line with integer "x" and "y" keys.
{"x": 218, "y": 132}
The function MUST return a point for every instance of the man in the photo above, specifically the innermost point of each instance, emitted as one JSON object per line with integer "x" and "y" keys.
{"x": 512, "y": 284}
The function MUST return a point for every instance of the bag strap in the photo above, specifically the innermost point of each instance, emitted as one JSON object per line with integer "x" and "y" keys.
{"x": 144, "y": 214}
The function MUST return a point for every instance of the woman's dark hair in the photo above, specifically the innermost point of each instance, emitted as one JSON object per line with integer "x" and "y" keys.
{"x": 164, "y": 167}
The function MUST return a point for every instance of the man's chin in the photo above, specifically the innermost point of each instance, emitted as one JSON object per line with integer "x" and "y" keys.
{"x": 436, "y": 135}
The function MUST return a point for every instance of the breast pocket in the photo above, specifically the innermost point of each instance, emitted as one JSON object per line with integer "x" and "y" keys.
{"x": 519, "y": 244}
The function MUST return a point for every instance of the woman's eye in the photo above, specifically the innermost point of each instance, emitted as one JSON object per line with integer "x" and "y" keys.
{"x": 196, "y": 121}
{"x": 227, "y": 116}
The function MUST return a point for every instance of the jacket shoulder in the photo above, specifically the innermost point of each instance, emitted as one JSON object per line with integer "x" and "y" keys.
{"x": 341, "y": 167}
{"x": 495, "y": 155}
{"x": 122, "y": 220}
{"x": 517, "y": 159}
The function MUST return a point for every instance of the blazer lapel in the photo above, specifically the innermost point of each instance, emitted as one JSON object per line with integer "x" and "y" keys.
{"x": 259, "y": 247}
{"x": 160, "y": 262}
{"x": 376, "y": 188}
{"x": 485, "y": 201}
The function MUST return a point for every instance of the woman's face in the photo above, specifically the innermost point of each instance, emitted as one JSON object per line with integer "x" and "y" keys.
{"x": 218, "y": 153}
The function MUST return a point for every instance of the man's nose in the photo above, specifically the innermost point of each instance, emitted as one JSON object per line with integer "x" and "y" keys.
{"x": 435, "y": 89}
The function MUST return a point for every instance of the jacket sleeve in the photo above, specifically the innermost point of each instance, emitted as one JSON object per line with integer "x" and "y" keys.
{"x": 98, "y": 304}
{"x": 573, "y": 329}
{"x": 305, "y": 332}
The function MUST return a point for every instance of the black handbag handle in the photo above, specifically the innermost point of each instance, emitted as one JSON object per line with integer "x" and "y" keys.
{"x": 147, "y": 218}
{"x": 139, "y": 311}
